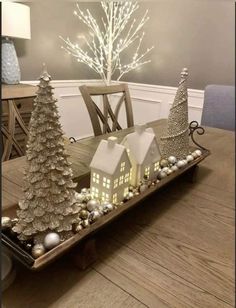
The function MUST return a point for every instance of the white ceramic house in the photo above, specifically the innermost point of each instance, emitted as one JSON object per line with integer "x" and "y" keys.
{"x": 110, "y": 171}
{"x": 144, "y": 154}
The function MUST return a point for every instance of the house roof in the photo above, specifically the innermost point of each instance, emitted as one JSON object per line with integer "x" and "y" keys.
{"x": 108, "y": 156}
{"x": 139, "y": 143}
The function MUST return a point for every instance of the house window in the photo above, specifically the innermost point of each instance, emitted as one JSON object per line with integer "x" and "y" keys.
{"x": 121, "y": 180}
{"x": 94, "y": 192}
{"x": 147, "y": 172}
{"x": 116, "y": 183}
{"x": 114, "y": 198}
{"x": 156, "y": 166}
{"x": 122, "y": 167}
{"x": 127, "y": 177}
{"x": 105, "y": 196}
{"x": 95, "y": 178}
{"x": 106, "y": 182}
{"x": 126, "y": 190}
{"x": 128, "y": 151}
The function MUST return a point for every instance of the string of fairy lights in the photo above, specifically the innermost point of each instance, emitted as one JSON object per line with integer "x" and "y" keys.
{"x": 106, "y": 41}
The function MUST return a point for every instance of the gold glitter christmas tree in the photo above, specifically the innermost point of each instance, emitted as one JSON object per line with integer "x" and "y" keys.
{"x": 49, "y": 197}
{"x": 176, "y": 141}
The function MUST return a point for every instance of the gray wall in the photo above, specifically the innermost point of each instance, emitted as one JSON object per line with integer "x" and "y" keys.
{"x": 198, "y": 34}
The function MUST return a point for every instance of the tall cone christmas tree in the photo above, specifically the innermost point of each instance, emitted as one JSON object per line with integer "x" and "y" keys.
{"x": 176, "y": 140}
{"x": 49, "y": 202}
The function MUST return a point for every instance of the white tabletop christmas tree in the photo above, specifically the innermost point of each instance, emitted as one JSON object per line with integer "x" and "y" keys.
{"x": 49, "y": 202}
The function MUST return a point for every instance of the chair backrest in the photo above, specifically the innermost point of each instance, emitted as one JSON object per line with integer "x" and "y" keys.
{"x": 100, "y": 119}
{"x": 11, "y": 147}
{"x": 219, "y": 107}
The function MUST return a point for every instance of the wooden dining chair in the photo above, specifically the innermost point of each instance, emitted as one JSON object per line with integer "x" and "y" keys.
{"x": 14, "y": 132}
{"x": 100, "y": 119}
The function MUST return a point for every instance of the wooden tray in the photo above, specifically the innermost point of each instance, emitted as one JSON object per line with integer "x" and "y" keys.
{"x": 51, "y": 255}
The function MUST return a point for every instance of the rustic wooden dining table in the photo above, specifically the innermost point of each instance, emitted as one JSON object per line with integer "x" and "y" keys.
{"x": 175, "y": 249}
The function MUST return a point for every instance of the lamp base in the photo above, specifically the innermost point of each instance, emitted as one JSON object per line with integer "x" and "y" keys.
{"x": 10, "y": 64}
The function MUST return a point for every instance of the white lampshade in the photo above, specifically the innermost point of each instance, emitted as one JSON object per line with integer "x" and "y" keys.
{"x": 15, "y": 20}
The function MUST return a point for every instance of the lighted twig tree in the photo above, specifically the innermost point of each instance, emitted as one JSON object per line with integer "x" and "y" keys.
{"x": 106, "y": 42}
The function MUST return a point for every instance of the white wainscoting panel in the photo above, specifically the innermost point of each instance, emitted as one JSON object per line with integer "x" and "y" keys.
{"x": 150, "y": 102}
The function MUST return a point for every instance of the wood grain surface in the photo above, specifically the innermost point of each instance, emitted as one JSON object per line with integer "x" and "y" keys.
{"x": 174, "y": 250}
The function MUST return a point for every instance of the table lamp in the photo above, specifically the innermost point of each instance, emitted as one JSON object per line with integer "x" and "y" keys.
{"x": 16, "y": 24}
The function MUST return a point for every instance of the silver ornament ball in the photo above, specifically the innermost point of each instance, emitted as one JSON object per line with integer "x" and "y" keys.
{"x": 198, "y": 152}
{"x": 51, "y": 240}
{"x": 143, "y": 187}
{"x": 169, "y": 171}
{"x": 94, "y": 215}
{"x": 165, "y": 169}
{"x": 161, "y": 175}
{"x": 38, "y": 250}
{"x": 92, "y": 205}
{"x": 174, "y": 168}
{"x": 172, "y": 160}
{"x": 107, "y": 207}
{"x": 189, "y": 158}
{"x": 180, "y": 164}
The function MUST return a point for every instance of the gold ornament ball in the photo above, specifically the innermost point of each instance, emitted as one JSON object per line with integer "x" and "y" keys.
{"x": 6, "y": 223}
{"x": 85, "y": 223}
{"x": 164, "y": 163}
{"x": 77, "y": 228}
{"x": 38, "y": 250}
{"x": 84, "y": 214}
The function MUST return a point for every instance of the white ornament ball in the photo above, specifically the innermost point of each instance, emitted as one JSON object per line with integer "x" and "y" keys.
{"x": 38, "y": 250}
{"x": 180, "y": 164}
{"x": 165, "y": 169}
{"x": 185, "y": 162}
{"x": 6, "y": 223}
{"x": 198, "y": 152}
{"x": 194, "y": 155}
{"x": 51, "y": 240}
{"x": 172, "y": 159}
{"x": 189, "y": 158}
{"x": 174, "y": 168}
{"x": 169, "y": 171}
{"x": 92, "y": 205}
